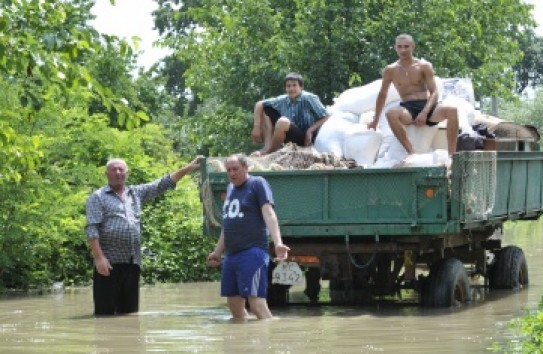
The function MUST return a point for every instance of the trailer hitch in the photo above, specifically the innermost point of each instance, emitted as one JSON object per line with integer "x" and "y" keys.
{"x": 351, "y": 258}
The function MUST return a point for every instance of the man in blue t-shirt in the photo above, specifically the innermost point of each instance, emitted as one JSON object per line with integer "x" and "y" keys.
{"x": 248, "y": 216}
{"x": 295, "y": 116}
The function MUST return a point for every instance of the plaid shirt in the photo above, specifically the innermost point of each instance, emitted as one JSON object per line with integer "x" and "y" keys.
{"x": 116, "y": 222}
{"x": 304, "y": 111}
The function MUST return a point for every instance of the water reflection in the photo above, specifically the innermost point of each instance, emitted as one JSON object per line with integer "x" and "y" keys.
{"x": 193, "y": 318}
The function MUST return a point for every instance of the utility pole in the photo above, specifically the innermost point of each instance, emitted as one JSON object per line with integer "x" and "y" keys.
{"x": 494, "y": 106}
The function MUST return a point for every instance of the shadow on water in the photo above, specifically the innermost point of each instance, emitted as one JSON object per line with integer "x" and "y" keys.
{"x": 517, "y": 301}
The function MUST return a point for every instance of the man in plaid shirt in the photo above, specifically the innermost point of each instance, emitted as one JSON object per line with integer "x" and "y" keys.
{"x": 293, "y": 117}
{"x": 113, "y": 231}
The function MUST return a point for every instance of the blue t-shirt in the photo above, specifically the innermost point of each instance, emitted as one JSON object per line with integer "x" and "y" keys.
{"x": 243, "y": 223}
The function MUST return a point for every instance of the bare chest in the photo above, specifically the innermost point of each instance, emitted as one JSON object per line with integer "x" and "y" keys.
{"x": 410, "y": 79}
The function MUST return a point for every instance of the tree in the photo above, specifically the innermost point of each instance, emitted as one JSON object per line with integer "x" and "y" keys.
{"x": 239, "y": 51}
{"x": 112, "y": 68}
{"x": 526, "y": 111}
{"x": 44, "y": 50}
{"x": 529, "y": 70}
{"x": 53, "y": 147}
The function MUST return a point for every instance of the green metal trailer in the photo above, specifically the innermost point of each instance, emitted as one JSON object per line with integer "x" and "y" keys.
{"x": 373, "y": 232}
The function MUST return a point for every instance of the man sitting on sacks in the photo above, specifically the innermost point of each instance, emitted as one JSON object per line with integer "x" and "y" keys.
{"x": 414, "y": 80}
{"x": 294, "y": 117}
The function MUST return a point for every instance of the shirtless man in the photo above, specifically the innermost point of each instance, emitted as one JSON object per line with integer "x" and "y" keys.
{"x": 415, "y": 82}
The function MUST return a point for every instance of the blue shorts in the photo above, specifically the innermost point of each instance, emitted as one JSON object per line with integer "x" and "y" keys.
{"x": 245, "y": 273}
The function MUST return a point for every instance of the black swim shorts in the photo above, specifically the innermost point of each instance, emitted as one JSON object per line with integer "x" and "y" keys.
{"x": 294, "y": 134}
{"x": 416, "y": 106}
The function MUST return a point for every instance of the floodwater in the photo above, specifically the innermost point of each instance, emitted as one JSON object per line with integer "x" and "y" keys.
{"x": 193, "y": 318}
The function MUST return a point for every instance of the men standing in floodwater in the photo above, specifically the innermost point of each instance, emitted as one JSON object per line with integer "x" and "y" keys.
{"x": 414, "y": 80}
{"x": 113, "y": 230}
{"x": 248, "y": 216}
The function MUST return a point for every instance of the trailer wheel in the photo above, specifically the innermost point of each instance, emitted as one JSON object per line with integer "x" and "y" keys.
{"x": 447, "y": 284}
{"x": 510, "y": 270}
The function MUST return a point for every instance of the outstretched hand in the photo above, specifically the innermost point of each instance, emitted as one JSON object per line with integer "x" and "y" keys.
{"x": 195, "y": 164}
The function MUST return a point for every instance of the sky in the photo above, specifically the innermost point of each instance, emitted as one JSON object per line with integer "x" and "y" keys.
{"x": 126, "y": 19}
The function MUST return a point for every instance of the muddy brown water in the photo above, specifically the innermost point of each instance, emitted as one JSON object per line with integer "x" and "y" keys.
{"x": 193, "y": 318}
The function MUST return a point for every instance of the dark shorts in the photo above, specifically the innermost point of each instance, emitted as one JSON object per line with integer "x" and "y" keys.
{"x": 294, "y": 134}
{"x": 245, "y": 273}
{"x": 416, "y": 106}
{"x": 117, "y": 293}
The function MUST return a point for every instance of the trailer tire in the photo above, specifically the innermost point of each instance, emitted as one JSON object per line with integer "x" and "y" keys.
{"x": 447, "y": 284}
{"x": 510, "y": 269}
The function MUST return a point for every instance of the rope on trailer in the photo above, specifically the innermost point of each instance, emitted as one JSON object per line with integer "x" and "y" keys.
{"x": 209, "y": 205}
{"x": 353, "y": 261}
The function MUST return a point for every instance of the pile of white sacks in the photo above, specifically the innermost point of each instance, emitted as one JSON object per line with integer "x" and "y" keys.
{"x": 346, "y": 134}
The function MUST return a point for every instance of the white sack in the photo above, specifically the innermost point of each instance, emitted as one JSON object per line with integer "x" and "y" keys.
{"x": 458, "y": 87}
{"x": 466, "y": 113}
{"x": 362, "y": 99}
{"x": 332, "y": 132}
{"x": 362, "y": 145}
{"x": 435, "y": 158}
{"x": 420, "y": 137}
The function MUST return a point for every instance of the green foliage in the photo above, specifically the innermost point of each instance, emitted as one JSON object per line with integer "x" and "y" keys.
{"x": 526, "y": 111}
{"x": 41, "y": 233}
{"x": 239, "y": 51}
{"x": 174, "y": 248}
{"x": 44, "y": 52}
{"x": 54, "y": 72}
{"x": 216, "y": 129}
{"x": 529, "y": 70}
{"x": 529, "y": 330}
{"x": 172, "y": 71}
{"x": 69, "y": 102}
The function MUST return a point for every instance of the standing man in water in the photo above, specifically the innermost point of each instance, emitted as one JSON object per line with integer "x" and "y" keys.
{"x": 113, "y": 231}
{"x": 248, "y": 216}
{"x": 414, "y": 80}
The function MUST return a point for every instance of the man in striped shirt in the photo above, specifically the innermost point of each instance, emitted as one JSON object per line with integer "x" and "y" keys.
{"x": 293, "y": 117}
{"x": 113, "y": 231}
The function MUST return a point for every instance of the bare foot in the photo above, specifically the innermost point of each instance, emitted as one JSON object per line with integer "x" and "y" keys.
{"x": 408, "y": 157}
{"x": 258, "y": 153}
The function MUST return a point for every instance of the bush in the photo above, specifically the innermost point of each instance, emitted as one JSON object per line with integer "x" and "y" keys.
{"x": 530, "y": 330}
{"x": 216, "y": 129}
{"x": 528, "y": 111}
{"x": 175, "y": 250}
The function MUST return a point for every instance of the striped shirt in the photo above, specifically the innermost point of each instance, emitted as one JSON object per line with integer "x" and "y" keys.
{"x": 115, "y": 222}
{"x": 304, "y": 111}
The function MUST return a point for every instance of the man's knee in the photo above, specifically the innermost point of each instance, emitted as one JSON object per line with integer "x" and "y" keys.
{"x": 452, "y": 113}
{"x": 282, "y": 124}
{"x": 395, "y": 116}
{"x": 258, "y": 305}
{"x": 448, "y": 112}
{"x": 391, "y": 114}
